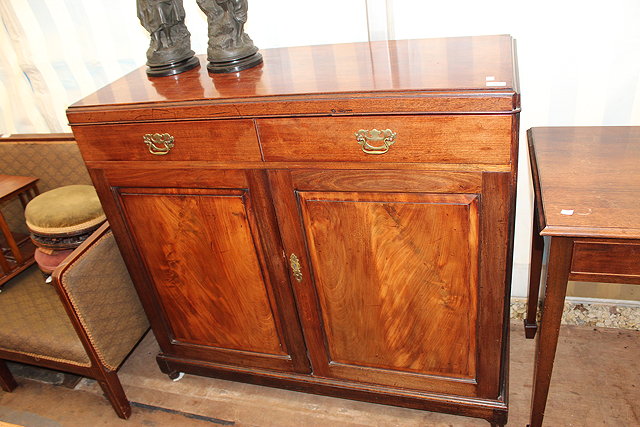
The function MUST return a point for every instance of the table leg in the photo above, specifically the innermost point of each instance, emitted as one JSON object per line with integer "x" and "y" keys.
{"x": 4, "y": 264}
{"x": 537, "y": 250}
{"x": 7, "y": 382}
{"x": 24, "y": 199}
{"x": 28, "y": 195}
{"x": 556, "y": 288}
{"x": 4, "y": 228}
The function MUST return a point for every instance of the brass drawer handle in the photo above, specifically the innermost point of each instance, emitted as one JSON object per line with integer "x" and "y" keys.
{"x": 295, "y": 267}
{"x": 387, "y": 137}
{"x": 159, "y": 143}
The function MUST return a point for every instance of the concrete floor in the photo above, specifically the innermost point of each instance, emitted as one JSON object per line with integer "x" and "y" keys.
{"x": 596, "y": 382}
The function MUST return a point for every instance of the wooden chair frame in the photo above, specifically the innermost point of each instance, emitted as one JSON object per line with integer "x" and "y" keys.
{"x": 108, "y": 379}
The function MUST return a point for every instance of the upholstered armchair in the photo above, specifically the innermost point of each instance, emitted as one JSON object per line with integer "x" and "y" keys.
{"x": 86, "y": 322}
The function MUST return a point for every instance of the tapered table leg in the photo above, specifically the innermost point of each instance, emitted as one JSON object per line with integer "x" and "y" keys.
{"x": 11, "y": 242}
{"x": 555, "y": 291}
{"x": 15, "y": 256}
{"x": 7, "y": 382}
{"x": 537, "y": 250}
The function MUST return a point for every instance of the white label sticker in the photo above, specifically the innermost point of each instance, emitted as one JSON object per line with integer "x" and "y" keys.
{"x": 490, "y": 78}
{"x": 566, "y": 211}
{"x": 496, "y": 84}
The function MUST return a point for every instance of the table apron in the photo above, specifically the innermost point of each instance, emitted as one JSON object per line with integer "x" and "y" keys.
{"x": 606, "y": 260}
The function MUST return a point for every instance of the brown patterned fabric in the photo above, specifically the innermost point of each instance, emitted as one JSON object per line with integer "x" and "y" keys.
{"x": 100, "y": 289}
{"x": 55, "y": 163}
{"x": 33, "y": 321}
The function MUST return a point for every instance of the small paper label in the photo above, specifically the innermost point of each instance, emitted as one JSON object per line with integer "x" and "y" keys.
{"x": 490, "y": 78}
{"x": 496, "y": 84}
{"x": 566, "y": 211}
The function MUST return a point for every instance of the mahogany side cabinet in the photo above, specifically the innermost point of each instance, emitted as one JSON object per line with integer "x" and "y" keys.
{"x": 338, "y": 220}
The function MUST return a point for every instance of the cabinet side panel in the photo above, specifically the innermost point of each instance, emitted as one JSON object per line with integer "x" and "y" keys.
{"x": 204, "y": 267}
{"x": 493, "y": 292}
{"x": 396, "y": 277}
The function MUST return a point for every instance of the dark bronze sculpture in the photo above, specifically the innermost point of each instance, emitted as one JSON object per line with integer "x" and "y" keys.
{"x": 230, "y": 48}
{"x": 170, "y": 51}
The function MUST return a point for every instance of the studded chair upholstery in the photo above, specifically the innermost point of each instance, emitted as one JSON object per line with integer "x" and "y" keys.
{"x": 86, "y": 323}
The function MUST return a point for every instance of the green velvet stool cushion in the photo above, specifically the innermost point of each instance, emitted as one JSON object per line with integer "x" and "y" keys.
{"x": 72, "y": 209}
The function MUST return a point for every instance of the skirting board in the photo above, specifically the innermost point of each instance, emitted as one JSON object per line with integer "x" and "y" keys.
{"x": 590, "y": 312}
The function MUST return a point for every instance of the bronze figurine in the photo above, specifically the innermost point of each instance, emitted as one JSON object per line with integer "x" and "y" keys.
{"x": 230, "y": 48}
{"x": 170, "y": 51}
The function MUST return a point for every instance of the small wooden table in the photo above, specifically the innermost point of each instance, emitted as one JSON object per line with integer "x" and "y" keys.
{"x": 587, "y": 200}
{"x": 16, "y": 250}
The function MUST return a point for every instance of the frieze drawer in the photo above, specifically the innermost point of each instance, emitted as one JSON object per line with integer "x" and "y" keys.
{"x": 213, "y": 140}
{"x": 606, "y": 258}
{"x": 483, "y": 139}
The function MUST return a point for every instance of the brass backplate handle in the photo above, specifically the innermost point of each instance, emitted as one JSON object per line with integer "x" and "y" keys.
{"x": 159, "y": 143}
{"x": 382, "y": 139}
{"x": 295, "y": 267}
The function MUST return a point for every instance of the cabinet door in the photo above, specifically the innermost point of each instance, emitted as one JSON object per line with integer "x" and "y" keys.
{"x": 389, "y": 281}
{"x": 219, "y": 295}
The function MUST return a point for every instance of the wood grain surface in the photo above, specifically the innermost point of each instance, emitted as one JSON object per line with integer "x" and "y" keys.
{"x": 11, "y": 185}
{"x": 355, "y": 67}
{"x": 396, "y": 277}
{"x": 613, "y": 260}
{"x": 38, "y": 138}
{"x": 553, "y": 305}
{"x": 221, "y": 140}
{"x": 388, "y": 180}
{"x": 496, "y": 255}
{"x": 443, "y": 139}
{"x": 459, "y": 74}
{"x": 587, "y": 187}
{"x": 210, "y": 283}
{"x": 404, "y": 257}
{"x": 590, "y": 180}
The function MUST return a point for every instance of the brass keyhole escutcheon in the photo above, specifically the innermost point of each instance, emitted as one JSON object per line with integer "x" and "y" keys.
{"x": 159, "y": 143}
{"x": 375, "y": 141}
{"x": 296, "y": 267}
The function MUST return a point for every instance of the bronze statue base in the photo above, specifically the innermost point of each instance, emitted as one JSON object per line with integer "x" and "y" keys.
{"x": 172, "y": 68}
{"x": 235, "y": 65}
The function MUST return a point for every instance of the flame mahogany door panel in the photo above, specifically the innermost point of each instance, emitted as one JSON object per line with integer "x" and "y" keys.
{"x": 390, "y": 280}
{"x": 210, "y": 274}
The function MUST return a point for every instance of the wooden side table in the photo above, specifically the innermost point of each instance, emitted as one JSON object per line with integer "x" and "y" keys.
{"x": 587, "y": 200}
{"x": 16, "y": 249}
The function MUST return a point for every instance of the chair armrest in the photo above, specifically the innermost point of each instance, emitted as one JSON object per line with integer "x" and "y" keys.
{"x": 96, "y": 290}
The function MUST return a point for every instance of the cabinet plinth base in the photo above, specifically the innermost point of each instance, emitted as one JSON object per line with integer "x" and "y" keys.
{"x": 494, "y": 411}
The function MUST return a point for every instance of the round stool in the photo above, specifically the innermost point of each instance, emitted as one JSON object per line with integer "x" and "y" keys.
{"x": 61, "y": 219}
{"x": 48, "y": 260}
